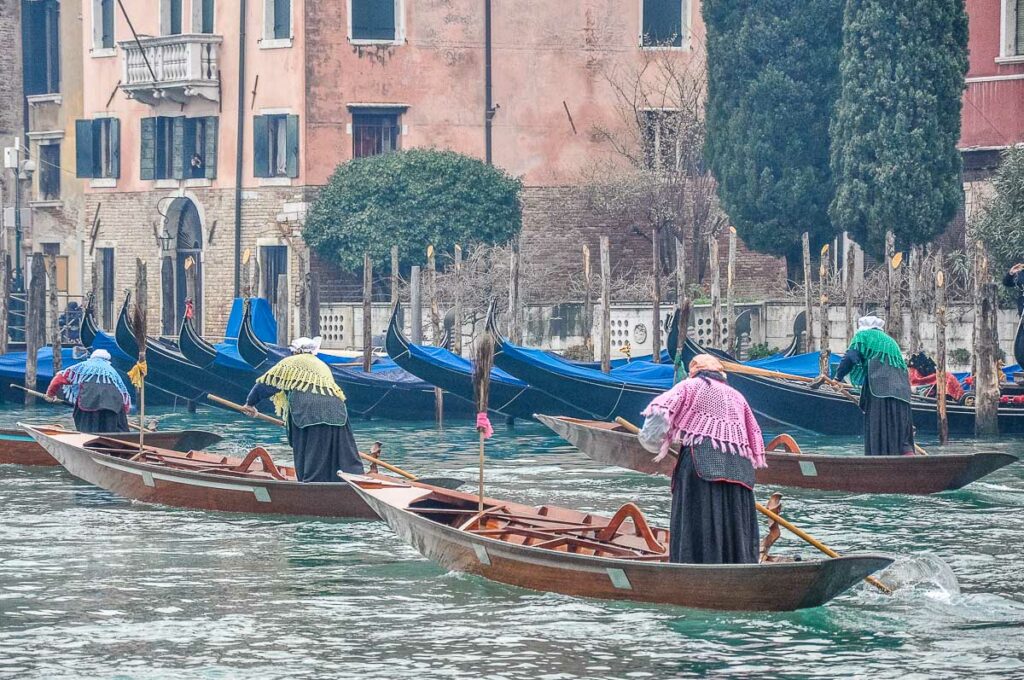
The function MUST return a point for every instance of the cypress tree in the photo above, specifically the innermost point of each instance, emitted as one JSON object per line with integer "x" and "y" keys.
{"x": 897, "y": 121}
{"x": 773, "y": 79}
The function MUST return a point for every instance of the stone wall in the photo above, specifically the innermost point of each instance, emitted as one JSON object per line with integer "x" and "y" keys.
{"x": 129, "y": 221}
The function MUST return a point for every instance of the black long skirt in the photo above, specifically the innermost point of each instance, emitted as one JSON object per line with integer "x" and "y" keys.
{"x": 103, "y": 420}
{"x": 321, "y": 450}
{"x": 712, "y": 522}
{"x": 888, "y": 427}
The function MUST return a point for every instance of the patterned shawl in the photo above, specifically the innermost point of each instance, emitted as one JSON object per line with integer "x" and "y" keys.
{"x": 95, "y": 370}
{"x": 301, "y": 373}
{"x": 705, "y": 408}
{"x": 875, "y": 343}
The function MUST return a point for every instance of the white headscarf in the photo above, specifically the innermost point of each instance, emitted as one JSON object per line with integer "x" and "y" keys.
{"x": 306, "y": 345}
{"x": 868, "y": 322}
{"x": 100, "y": 354}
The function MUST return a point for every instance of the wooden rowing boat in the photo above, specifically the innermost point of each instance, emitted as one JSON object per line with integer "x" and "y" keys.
{"x": 18, "y": 448}
{"x": 196, "y": 479}
{"x": 609, "y": 443}
{"x": 554, "y": 549}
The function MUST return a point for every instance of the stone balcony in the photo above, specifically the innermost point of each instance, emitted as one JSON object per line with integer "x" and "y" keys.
{"x": 181, "y": 67}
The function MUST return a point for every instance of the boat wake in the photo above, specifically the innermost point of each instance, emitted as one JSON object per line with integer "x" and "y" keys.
{"x": 921, "y": 574}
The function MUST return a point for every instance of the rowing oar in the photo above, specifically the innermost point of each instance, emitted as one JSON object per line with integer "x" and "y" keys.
{"x": 781, "y": 521}
{"x": 40, "y": 395}
{"x": 440, "y": 481}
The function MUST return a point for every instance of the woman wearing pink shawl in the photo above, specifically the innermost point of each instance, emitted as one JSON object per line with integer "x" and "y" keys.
{"x": 713, "y": 516}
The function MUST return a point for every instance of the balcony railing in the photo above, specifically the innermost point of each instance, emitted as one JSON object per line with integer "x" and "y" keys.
{"x": 179, "y": 67}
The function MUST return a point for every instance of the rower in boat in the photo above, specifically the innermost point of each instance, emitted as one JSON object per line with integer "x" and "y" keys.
{"x": 874, "y": 362}
{"x": 1014, "y": 278}
{"x": 921, "y": 370}
{"x": 714, "y": 520}
{"x": 305, "y": 395}
{"x": 97, "y": 392}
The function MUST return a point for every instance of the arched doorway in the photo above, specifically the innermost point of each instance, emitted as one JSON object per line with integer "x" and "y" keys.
{"x": 184, "y": 224}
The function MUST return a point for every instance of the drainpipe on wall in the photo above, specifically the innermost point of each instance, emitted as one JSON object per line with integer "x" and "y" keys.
{"x": 239, "y": 141}
{"x": 488, "y": 106}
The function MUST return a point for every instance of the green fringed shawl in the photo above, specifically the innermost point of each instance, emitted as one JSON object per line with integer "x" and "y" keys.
{"x": 874, "y": 343}
{"x": 302, "y": 373}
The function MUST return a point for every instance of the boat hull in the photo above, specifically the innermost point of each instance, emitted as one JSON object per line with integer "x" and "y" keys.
{"x": 202, "y": 491}
{"x": 757, "y": 587}
{"x": 18, "y": 448}
{"x": 917, "y": 475}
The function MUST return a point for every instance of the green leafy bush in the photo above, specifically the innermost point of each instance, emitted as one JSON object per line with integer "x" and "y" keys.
{"x": 411, "y": 199}
{"x": 760, "y": 351}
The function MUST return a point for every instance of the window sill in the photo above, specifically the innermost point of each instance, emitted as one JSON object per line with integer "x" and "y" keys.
{"x": 1012, "y": 59}
{"x": 54, "y": 98}
{"x": 103, "y": 183}
{"x": 199, "y": 182}
{"x": 366, "y": 42}
{"x": 275, "y": 43}
{"x": 685, "y": 47}
{"x": 166, "y": 184}
{"x": 46, "y": 204}
{"x": 101, "y": 52}
{"x": 274, "y": 181}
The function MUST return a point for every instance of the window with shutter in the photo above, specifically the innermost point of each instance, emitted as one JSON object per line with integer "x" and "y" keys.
{"x": 40, "y": 31}
{"x": 261, "y": 146}
{"x": 84, "y": 163}
{"x": 662, "y": 23}
{"x": 292, "y": 150}
{"x": 210, "y": 148}
{"x": 106, "y": 24}
{"x": 113, "y": 141}
{"x": 176, "y": 147}
{"x": 373, "y": 19}
{"x": 1019, "y": 32}
{"x": 147, "y": 153}
{"x": 282, "y": 19}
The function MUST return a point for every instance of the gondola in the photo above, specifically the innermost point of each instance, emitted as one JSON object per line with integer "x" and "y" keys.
{"x": 742, "y": 323}
{"x": 795, "y": 405}
{"x": 234, "y": 377}
{"x": 18, "y": 448}
{"x": 624, "y": 392}
{"x": 509, "y": 396}
{"x": 196, "y": 479}
{"x": 168, "y": 367}
{"x": 609, "y": 443}
{"x": 94, "y": 338}
{"x": 388, "y": 391}
{"x": 553, "y": 549}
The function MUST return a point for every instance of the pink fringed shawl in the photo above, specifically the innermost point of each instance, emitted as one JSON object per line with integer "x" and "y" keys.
{"x": 699, "y": 408}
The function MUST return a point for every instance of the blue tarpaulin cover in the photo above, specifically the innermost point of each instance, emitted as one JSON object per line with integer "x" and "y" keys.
{"x": 12, "y": 365}
{"x": 442, "y": 357}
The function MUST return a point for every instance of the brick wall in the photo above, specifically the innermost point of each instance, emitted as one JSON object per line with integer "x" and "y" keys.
{"x": 127, "y": 222}
{"x": 11, "y": 93}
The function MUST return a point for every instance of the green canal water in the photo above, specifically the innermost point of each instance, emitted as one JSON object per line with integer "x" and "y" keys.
{"x": 96, "y": 586}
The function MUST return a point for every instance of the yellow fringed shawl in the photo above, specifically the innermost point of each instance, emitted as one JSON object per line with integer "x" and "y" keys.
{"x": 302, "y": 373}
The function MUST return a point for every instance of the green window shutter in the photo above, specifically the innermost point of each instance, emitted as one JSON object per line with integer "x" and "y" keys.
{"x": 207, "y": 20}
{"x": 663, "y": 22}
{"x": 115, "y": 147}
{"x": 1019, "y": 43}
{"x": 260, "y": 151}
{"x": 282, "y": 18}
{"x": 292, "y": 140}
{"x": 84, "y": 163}
{"x": 147, "y": 155}
{"x": 188, "y": 145}
{"x": 210, "y": 152}
{"x": 373, "y": 19}
{"x": 107, "y": 11}
{"x": 178, "y": 143}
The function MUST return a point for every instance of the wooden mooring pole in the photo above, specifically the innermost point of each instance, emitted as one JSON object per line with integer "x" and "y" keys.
{"x": 606, "y": 305}
{"x": 656, "y": 316}
{"x": 588, "y": 303}
{"x": 805, "y": 241}
{"x": 716, "y": 293}
{"x": 986, "y": 347}
{"x": 940, "y": 347}
{"x": 53, "y": 312}
{"x": 367, "y": 312}
{"x": 415, "y": 306}
{"x": 35, "y": 323}
{"x": 457, "y": 326}
{"x": 435, "y": 327}
{"x": 730, "y": 310}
